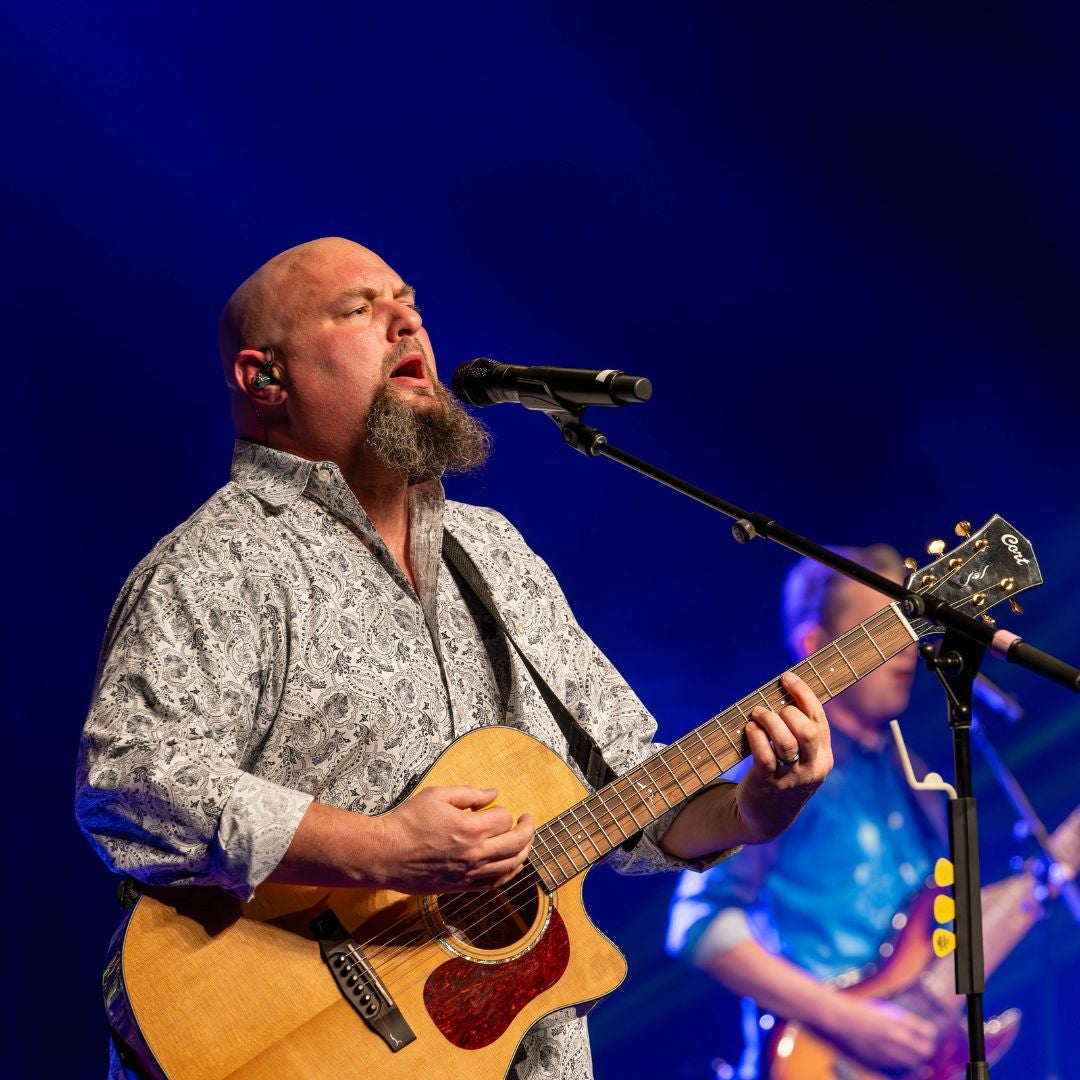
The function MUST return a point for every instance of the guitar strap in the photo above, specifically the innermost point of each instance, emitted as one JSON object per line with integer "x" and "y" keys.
{"x": 583, "y": 749}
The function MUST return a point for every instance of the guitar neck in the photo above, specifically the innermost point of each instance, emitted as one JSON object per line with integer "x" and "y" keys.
{"x": 582, "y": 835}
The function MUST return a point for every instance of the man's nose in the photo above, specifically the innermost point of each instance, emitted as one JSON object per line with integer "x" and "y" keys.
{"x": 402, "y": 319}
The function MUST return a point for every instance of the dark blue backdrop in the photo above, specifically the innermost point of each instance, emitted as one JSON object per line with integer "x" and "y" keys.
{"x": 842, "y": 243}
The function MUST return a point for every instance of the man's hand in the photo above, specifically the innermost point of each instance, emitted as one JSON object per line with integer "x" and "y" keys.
{"x": 792, "y": 756}
{"x": 882, "y": 1034}
{"x": 449, "y": 839}
{"x": 770, "y": 795}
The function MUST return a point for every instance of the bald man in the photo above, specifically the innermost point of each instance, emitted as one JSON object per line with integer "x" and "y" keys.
{"x": 284, "y": 666}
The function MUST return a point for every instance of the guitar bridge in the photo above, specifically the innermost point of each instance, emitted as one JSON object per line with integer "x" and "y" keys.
{"x": 356, "y": 979}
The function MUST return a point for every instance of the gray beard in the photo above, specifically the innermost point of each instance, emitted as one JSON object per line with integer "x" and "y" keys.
{"x": 425, "y": 443}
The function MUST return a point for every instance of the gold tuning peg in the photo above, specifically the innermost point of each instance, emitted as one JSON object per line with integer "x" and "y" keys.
{"x": 1014, "y": 604}
{"x": 910, "y": 564}
{"x": 962, "y": 528}
{"x": 935, "y": 547}
{"x": 988, "y": 619}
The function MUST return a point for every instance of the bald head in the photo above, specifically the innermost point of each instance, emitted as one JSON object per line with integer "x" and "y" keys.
{"x": 309, "y": 343}
{"x": 265, "y": 309}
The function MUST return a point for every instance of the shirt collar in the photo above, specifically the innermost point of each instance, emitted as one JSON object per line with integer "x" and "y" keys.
{"x": 277, "y": 479}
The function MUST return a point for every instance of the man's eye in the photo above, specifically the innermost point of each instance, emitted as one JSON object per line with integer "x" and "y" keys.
{"x": 363, "y": 309}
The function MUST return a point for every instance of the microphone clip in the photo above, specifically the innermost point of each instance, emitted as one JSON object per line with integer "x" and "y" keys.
{"x": 576, "y": 434}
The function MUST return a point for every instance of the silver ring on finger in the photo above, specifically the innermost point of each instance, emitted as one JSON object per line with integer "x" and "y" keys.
{"x": 787, "y": 763}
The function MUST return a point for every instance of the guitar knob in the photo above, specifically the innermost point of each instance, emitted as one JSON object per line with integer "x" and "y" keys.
{"x": 910, "y": 564}
{"x": 935, "y": 547}
{"x": 988, "y": 619}
{"x": 1014, "y": 604}
{"x": 962, "y": 528}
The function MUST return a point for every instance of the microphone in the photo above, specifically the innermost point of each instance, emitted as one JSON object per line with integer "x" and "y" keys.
{"x": 996, "y": 699}
{"x": 548, "y": 389}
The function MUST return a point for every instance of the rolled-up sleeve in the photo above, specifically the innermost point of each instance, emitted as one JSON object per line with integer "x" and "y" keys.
{"x": 161, "y": 791}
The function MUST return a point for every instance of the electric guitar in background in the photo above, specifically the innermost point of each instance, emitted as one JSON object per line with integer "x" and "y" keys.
{"x": 914, "y": 978}
{"x": 335, "y": 983}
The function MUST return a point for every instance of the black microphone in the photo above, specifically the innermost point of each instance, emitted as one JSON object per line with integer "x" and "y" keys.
{"x": 548, "y": 389}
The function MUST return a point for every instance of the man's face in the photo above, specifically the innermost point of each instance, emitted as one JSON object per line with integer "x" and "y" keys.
{"x": 349, "y": 327}
{"x": 883, "y": 694}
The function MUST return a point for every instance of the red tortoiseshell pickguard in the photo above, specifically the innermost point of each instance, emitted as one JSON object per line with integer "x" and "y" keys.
{"x": 472, "y": 1004}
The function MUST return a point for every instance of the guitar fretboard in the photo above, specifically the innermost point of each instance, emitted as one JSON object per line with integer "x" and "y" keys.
{"x": 586, "y": 832}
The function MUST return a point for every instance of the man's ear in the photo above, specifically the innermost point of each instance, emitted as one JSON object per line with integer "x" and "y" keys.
{"x": 259, "y": 376}
{"x": 807, "y": 638}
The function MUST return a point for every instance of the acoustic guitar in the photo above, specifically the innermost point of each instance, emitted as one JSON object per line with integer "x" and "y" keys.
{"x": 332, "y": 983}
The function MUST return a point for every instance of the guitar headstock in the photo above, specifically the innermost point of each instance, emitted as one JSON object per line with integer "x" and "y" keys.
{"x": 993, "y": 564}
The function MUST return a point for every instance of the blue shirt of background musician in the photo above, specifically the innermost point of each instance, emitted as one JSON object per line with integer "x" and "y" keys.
{"x": 824, "y": 893}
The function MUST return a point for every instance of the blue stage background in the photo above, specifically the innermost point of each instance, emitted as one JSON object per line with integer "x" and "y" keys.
{"x": 842, "y": 241}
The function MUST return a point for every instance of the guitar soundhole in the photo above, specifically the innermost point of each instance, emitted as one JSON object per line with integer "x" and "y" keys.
{"x": 493, "y": 921}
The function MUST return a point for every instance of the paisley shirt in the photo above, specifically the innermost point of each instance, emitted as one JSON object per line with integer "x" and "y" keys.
{"x": 270, "y": 652}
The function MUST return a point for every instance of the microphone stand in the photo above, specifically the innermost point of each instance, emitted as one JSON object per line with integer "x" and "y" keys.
{"x": 955, "y": 664}
{"x": 1028, "y": 822}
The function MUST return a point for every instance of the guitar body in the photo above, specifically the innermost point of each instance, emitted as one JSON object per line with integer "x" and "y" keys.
{"x": 795, "y": 1052}
{"x": 201, "y": 985}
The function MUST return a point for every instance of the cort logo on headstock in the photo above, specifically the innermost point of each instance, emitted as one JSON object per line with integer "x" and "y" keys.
{"x": 1013, "y": 544}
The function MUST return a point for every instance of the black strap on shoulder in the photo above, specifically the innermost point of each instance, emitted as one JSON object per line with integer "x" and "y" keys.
{"x": 583, "y": 749}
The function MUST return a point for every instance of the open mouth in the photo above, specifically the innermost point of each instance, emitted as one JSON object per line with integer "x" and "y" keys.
{"x": 410, "y": 372}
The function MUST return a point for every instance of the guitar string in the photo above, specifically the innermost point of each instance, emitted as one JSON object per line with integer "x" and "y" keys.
{"x": 487, "y": 904}
{"x": 486, "y": 899}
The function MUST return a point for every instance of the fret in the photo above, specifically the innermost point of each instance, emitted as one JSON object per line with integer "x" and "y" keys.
{"x": 809, "y": 661}
{"x": 727, "y": 734}
{"x": 652, "y": 788}
{"x": 637, "y": 824}
{"x": 598, "y": 797}
{"x": 840, "y": 653}
{"x": 544, "y": 867}
{"x": 569, "y": 850}
{"x": 584, "y": 832}
{"x": 674, "y": 776}
{"x": 565, "y": 855}
{"x": 690, "y": 760}
{"x": 543, "y": 872}
{"x": 866, "y": 631}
